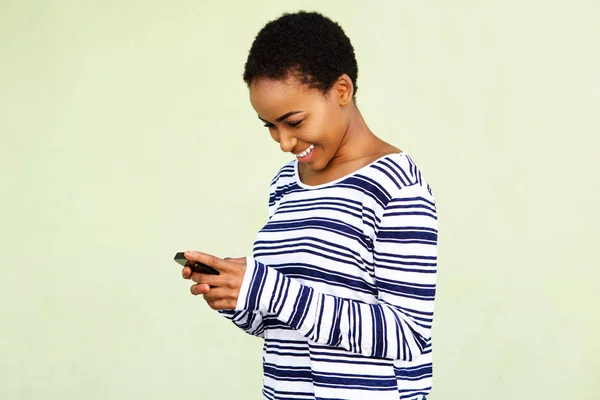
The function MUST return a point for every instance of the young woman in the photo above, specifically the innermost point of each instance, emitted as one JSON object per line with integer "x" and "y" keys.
{"x": 341, "y": 282}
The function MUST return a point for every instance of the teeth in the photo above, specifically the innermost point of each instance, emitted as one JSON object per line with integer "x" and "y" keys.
{"x": 306, "y": 152}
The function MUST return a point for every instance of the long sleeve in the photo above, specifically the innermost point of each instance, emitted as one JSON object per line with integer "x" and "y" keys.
{"x": 250, "y": 322}
{"x": 398, "y": 325}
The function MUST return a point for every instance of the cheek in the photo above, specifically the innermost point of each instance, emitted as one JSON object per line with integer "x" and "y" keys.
{"x": 332, "y": 131}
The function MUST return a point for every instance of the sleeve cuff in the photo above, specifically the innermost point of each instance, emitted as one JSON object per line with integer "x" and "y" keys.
{"x": 269, "y": 291}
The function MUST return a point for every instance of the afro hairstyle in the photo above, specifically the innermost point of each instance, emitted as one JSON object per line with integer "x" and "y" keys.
{"x": 304, "y": 45}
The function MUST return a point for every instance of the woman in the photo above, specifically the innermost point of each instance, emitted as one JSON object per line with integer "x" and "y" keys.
{"x": 341, "y": 284}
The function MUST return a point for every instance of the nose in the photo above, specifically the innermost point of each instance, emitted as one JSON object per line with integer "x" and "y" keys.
{"x": 287, "y": 142}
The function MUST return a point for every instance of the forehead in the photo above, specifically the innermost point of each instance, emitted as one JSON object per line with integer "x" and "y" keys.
{"x": 272, "y": 97}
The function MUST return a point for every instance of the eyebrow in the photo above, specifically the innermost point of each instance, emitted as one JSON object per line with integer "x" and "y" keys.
{"x": 284, "y": 116}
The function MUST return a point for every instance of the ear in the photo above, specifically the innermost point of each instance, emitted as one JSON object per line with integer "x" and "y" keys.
{"x": 343, "y": 90}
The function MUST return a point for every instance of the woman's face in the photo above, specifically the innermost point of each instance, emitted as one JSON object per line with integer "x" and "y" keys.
{"x": 302, "y": 120}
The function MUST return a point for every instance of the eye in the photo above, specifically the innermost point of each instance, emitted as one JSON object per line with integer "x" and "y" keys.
{"x": 295, "y": 123}
{"x": 268, "y": 125}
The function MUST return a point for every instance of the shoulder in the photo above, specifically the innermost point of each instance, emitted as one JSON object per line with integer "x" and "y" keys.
{"x": 411, "y": 202}
{"x": 285, "y": 174}
{"x": 281, "y": 182}
{"x": 399, "y": 174}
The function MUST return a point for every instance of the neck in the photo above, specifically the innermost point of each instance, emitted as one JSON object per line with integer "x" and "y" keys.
{"x": 358, "y": 141}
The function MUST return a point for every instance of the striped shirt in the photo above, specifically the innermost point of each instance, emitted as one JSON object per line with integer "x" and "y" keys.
{"x": 341, "y": 285}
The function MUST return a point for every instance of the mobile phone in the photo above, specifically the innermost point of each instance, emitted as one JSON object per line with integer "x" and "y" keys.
{"x": 195, "y": 266}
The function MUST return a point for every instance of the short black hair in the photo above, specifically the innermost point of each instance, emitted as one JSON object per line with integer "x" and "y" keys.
{"x": 304, "y": 45}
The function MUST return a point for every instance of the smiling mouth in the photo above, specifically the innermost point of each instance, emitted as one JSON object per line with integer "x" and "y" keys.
{"x": 305, "y": 152}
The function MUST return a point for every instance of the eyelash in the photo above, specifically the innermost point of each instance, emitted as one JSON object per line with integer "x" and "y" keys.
{"x": 292, "y": 124}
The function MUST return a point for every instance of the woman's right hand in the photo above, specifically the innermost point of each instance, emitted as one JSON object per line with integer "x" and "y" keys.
{"x": 186, "y": 273}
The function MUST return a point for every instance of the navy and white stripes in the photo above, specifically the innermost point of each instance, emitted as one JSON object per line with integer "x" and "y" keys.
{"x": 341, "y": 285}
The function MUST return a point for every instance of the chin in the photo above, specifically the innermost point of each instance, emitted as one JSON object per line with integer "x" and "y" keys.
{"x": 319, "y": 164}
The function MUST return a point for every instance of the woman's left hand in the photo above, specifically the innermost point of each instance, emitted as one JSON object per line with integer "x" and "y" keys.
{"x": 220, "y": 291}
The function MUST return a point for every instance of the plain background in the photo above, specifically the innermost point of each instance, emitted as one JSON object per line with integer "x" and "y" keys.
{"x": 127, "y": 135}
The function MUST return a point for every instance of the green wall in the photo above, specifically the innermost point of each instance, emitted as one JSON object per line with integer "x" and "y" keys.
{"x": 127, "y": 135}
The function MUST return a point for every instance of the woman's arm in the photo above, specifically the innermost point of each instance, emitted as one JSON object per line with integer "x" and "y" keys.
{"x": 398, "y": 326}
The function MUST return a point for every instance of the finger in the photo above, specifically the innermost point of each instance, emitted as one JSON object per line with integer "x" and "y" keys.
{"x": 186, "y": 272}
{"x": 215, "y": 262}
{"x": 200, "y": 288}
{"x": 217, "y": 293}
{"x": 210, "y": 279}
